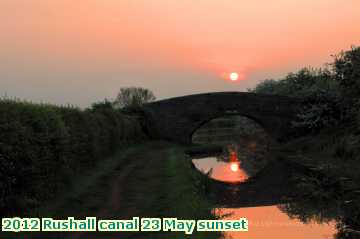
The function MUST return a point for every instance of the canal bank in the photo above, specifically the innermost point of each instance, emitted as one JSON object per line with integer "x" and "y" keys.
{"x": 153, "y": 179}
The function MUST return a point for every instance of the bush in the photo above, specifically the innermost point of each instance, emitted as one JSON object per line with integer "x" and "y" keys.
{"x": 41, "y": 145}
{"x": 305, "y": 82}
{"x": 347, "y": 72}
{"x": 346, "y": 69}
{"x": 323, "y": 104}
{"x": 320, "y": 110}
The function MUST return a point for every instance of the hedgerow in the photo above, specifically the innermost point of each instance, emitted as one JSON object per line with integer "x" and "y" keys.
{"x": 42, "y": 146}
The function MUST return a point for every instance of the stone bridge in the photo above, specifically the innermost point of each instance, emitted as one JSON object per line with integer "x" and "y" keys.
{"x": 176, "y": 119}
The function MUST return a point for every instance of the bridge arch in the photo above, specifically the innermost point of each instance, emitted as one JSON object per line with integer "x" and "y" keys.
{"x": 176, "y": 119}
{"x": 234, "y": 118}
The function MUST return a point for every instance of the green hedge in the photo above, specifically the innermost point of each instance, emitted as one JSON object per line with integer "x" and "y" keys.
{"x": 42, "y": 146}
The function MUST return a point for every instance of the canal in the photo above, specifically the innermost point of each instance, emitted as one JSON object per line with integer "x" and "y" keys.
{"x": 279, "y": 197}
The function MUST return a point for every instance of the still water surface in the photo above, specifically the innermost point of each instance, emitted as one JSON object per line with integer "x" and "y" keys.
{"x": 270, "y": 222}
{"x": 264, "y": 221}
{"x": 223, "y": 171}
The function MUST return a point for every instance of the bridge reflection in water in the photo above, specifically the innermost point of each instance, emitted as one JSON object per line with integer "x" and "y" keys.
{"x": 252, "y": 178}
{"x": 264, "y": 221}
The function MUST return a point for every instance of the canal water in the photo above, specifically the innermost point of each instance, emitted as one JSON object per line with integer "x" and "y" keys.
{"x": 280, "y": 198}
{"x": 231, "y": 172}
{"x": 264, "y": 221}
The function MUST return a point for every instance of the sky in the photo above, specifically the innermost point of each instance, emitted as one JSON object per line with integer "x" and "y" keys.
{"x": 79, "y": 52}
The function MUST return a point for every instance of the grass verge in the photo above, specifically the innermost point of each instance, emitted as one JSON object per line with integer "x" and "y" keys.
{"x": 154, "y": 179}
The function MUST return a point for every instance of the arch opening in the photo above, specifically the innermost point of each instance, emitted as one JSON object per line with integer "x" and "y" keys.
{"x": 245, "y": 146}
{"x": 230, "y": 129}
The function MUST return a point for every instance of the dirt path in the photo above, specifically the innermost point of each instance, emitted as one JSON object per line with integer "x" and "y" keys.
{"x": 114, "y": 201}
{"x": 141, "y": 176}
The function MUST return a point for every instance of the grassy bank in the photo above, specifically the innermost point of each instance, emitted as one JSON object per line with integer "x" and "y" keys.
{"x": 334, "y": 151}
{"x": 153, "y": 179}
{"x": 332, "y": 192}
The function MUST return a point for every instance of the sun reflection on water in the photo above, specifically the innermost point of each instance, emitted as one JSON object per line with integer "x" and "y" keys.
{"x": 234, "y": 167}
{"x": 220, "y": 170}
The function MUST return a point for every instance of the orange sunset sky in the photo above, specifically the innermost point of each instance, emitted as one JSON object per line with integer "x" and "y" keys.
{"x": 81, "y": 51}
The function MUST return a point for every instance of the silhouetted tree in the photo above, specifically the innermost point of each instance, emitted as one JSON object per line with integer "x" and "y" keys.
{"x": 133, "y": 97}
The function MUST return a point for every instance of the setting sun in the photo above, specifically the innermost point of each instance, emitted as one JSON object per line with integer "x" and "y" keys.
{"x": 234, "y": 76}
